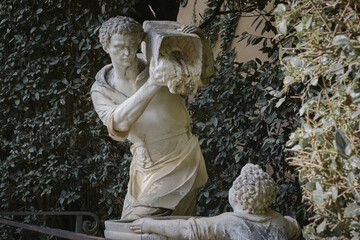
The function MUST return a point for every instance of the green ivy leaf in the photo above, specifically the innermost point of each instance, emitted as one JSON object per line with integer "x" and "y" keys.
{"x": 355, "y": 162}
{"x": 281, "y": 100}
{"x": 288, "y": 79}
{"x": 352, "y": 211}
{"x": 18, "y": 37}
{"x": 340, "y": 40}
{"x": 54, "y": 61}
{"x": 40, "y": 10}
{"x": 295, "y": 62}
{"x": 282, "y": 26}
{"x": 321, "y": 227}
{"x": 318, "y": 196}
{"x": 314, "y": 81}
{"x": 310, "y": 186}
{"x": 308, "y": 128}
{"x": 280, "y": 8}
{"x": 334, "y": 192}
{"x": 337, "y": 68}
{"x": 299, "y": 27}
{"x": 342, "y": 144}
{"x": 308, "y": 23}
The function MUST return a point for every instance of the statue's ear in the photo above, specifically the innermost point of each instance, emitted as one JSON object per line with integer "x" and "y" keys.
{"x": 105, "y": 49}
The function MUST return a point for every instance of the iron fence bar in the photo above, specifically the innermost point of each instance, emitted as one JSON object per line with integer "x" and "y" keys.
{"x": 78, "y": 223}
{"x": 81, "y": 226}
{"x": 51, "y": 231}
{"x": 69, "y": 213}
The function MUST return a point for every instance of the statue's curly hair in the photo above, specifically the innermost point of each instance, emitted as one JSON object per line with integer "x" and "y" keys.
{"x": 119, "y": 24}
{"x": 254, "y": 189}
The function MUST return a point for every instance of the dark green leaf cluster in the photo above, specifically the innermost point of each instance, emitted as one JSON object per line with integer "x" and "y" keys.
{"x": 54, "y": 152}
{"x": 243, "y": 115}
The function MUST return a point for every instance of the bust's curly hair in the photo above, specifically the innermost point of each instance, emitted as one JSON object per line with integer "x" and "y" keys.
{"x": 254, "y": 189}
{"x": 119, "y": 24}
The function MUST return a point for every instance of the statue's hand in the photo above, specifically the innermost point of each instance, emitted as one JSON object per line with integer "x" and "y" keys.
{"x": 158, "y": 73}
{"x": 137, "y": 225}
{"x": 193, "y": 29}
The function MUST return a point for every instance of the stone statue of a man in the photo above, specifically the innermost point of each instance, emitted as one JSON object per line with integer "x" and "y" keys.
{"x": 167, "y": 168}
{"x": 250, "y": 196}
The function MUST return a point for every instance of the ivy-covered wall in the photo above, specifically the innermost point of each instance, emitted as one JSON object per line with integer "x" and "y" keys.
{"x": 244, "y": 115}
{"x": 54, "y": 152}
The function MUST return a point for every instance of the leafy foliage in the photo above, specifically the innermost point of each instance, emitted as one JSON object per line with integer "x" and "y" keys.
{"x": 326, "y": 147}
{"x": 243, "y": 116}
{"x": 54, "y": 151}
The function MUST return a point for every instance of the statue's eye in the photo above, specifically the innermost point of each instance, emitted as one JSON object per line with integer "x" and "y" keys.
{"x": 119, "y": 46}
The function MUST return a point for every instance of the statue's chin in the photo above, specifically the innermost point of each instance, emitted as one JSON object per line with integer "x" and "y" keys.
{"x": 126, "y": 64}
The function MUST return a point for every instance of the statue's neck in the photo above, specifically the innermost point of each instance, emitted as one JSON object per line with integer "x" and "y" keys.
{"x": 126, "y": 73}
{"x": 238, "y": 208}
{"x": 125, "y": 77}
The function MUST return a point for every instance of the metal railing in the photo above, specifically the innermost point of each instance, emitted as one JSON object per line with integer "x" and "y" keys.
{"x": 84, "y": 229}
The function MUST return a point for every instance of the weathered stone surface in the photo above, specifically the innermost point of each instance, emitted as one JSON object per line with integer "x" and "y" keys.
{"x": 176, "y": 57}
{"x": 144, "y": 106}
{"x": 250, "y": 196}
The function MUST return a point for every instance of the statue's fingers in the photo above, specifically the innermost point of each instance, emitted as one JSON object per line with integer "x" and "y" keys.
{"x": 134, "y": 226}
{"x": 136, "y": 229}
{"x": 192, "y": 28}
{"x": 188, "y": 29}
{"x": 183, "y": 27}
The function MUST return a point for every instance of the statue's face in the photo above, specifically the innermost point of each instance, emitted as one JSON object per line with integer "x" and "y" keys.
{"x": 122, "y": 48}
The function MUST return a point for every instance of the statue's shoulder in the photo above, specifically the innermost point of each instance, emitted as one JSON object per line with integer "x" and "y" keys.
{"x": 101, "y": 79}
{"x": 103, "y": 75}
